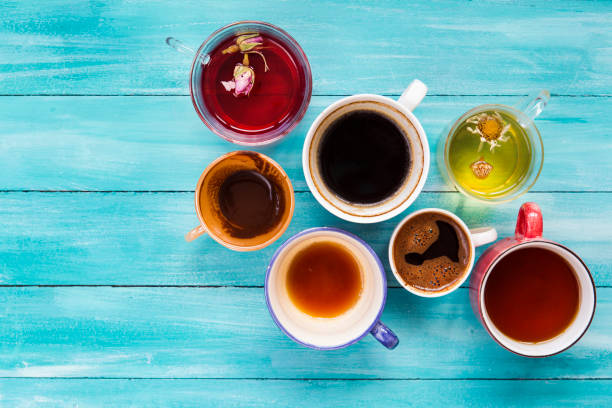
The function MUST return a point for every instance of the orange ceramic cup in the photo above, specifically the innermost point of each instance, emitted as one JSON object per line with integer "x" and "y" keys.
{"x": 212, "y": 220}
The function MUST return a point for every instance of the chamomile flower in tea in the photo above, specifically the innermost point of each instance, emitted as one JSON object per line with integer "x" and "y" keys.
{"x": 490, "y": 154}
{"x": 490, "y": 127}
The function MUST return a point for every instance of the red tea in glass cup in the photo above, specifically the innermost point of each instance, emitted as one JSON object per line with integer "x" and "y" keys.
{"x": 250, "y": 82}
{"x": 535, "y": 297}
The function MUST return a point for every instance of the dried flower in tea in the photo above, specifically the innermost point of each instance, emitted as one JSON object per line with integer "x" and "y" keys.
{"x": 244, "y": 75}
{"x": 481, "y": 168}
{"x": 243, "y": 79}
{"x": 244, "y": 43}
{"x": 490, "y": 128}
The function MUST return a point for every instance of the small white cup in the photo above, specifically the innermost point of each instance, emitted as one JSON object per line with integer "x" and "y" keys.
{"x": 400, "y": 112}
{"x": 475, "y": 237}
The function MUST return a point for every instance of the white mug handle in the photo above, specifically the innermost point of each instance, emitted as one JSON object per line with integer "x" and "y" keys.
{"x": 483, "y": 236}
{"x": 413, "y": 95}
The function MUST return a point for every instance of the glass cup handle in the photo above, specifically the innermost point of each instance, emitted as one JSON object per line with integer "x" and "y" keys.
{"x": 413, "y": 95}
{"x": 534, "y": 104}
{"x": 483, "y": 236}
{"x": 194, "y": 233}
{"x": 179, "y": 46}
{"x": 183, "y": 49}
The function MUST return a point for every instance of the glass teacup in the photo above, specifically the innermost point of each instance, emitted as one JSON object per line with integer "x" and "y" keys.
{"x": 494, "y": 153}
{"x": 250, "y": 82}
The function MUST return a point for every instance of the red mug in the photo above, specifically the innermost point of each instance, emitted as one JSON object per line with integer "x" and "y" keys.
{"x": 529, "y": 234}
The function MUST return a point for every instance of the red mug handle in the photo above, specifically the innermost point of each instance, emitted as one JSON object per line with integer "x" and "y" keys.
{"x": 529, "y": 222}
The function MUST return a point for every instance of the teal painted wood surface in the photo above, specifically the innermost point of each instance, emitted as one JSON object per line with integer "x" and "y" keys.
{"x": 102, "y": 303}
{"x": 228, "y": 333}
{"x": 158, "y": 143}
{"x": 282, "y": 393}
{"x": 137, "y": 238}
{"x": 482, "y": 48}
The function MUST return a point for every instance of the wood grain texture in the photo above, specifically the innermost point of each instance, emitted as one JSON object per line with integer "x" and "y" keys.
{"x": 217, "y": 346}
{"x": 158, "y": 143}
{"x": 485, "y": 47}
{"x": 71, "y": 393}
{"x": 137, "y": 238}
{"x": 228, "y": 333}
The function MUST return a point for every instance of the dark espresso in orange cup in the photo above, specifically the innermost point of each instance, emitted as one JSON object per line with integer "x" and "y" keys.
{"x": 244, "y": 201}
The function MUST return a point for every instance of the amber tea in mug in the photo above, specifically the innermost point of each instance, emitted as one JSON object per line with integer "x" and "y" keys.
{"x": 532, "y": 295}
{"x": 535, "y": 297}
{"x": 324, "y": 279}
{"x": 326, "y": 289}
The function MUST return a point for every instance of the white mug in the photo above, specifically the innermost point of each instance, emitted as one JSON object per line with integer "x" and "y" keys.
{"x": 340, "y": 331}
{"x": 475, "y": 237}
{"x": 400, "y": 112}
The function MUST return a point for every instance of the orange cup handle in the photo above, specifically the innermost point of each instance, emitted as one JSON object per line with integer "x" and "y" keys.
{"x": 194, "y": 233}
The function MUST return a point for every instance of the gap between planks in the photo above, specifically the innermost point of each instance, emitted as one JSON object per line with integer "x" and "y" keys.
{"x": 315, "y": 379}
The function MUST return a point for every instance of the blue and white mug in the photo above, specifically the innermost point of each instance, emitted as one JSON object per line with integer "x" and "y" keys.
{"x": 340, "y": 331}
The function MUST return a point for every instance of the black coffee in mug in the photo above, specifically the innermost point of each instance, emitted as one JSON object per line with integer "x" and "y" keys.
{"x": 364, "y": 157}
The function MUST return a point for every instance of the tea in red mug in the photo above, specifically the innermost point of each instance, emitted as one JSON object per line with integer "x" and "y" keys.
{"x": 532, "y": 295}
{"x": 535, "y": 297}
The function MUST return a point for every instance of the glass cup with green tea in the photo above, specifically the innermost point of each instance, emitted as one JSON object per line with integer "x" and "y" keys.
{"x": 494, "y": 153}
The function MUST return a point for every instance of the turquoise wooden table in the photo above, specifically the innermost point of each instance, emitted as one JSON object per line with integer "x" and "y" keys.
{"x": 103, "y": 303}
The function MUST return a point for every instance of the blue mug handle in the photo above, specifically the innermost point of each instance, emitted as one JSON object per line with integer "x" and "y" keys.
{"x": 384, "y": 335}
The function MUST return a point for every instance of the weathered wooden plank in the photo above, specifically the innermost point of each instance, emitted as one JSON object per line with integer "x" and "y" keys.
{"x": 486, "y": 47}
{"x": 158, "y": 143}
{"x": 291, "y": 393}
{"x": 228, "y": 333}
{"x": 137, "y": 239}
